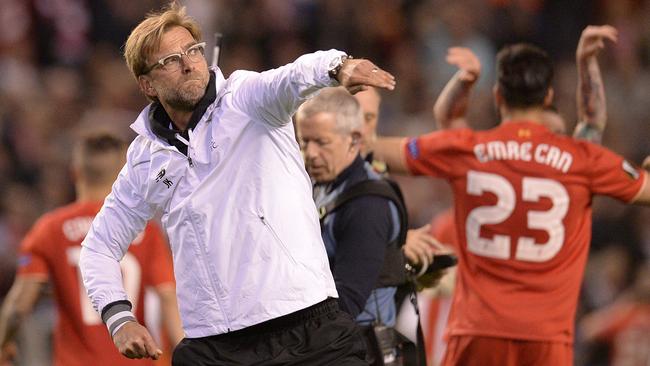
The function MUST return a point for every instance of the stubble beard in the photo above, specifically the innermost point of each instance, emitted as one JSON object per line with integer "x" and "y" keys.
{"x": 186, "y": 97}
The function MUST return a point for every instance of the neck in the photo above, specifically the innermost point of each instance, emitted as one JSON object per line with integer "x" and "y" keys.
{"x": 87, "y": 193}
{"x": 530, "y": 114}
{"x": 181, "y": 119}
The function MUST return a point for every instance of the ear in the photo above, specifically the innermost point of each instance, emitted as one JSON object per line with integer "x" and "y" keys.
{"x": 498, "y": 98}
{"x": 75, "y": 173}
{"x": 356, "y": 139}
{"x": 146, "y": 87}
{"x": 548, "y": 99}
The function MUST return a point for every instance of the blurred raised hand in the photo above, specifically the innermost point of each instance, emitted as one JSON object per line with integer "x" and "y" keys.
{"x": 468, "y": 64}
{"x": 450, "y": 108}
{"x": 592, "y": 40}
{"x": 590, "y": 93}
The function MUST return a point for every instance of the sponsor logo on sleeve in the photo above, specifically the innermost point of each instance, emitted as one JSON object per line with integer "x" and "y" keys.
{"x": 413, "y": 149}
{"x": 630, "y": 170}
{"x": 24, "y": 260}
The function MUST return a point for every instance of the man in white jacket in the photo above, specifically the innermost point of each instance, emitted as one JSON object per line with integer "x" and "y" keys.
{"x": 219, "y": 160}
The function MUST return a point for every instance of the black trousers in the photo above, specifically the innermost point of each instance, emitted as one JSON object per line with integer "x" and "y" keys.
{"x": 318, "y": 335}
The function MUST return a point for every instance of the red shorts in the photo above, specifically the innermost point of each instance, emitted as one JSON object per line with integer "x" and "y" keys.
{"x": 486, "y": 351}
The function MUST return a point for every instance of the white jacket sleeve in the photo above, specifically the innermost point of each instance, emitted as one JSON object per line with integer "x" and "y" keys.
{"x": 123, "y": 216}
{"x": 275, "y": 95}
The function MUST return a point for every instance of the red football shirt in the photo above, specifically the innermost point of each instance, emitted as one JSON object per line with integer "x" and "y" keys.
{"x": 523, "y": 209}
{"x": 51, "y": 250}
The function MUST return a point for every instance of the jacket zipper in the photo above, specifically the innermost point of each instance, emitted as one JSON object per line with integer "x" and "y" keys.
{"x": 172, "y": 149}
{"x": 276, "y": 236}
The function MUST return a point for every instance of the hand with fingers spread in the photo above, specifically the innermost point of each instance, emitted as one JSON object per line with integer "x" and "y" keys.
{"x": 420, "y": 246}
{"x": 134, "y": 341}
{"x": 358, "y": 74}
{"x": 467, "y": 62}
{"x": 592, "y": 41}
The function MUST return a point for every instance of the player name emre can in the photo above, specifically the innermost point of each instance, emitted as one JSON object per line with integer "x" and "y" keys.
{"x": 544, "y": 154}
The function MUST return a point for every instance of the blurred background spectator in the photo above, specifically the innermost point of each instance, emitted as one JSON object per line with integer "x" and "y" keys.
{"x": 61, "y": 70}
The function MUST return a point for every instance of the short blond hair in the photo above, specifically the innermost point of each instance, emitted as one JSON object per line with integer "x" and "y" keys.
{"x": 145, "y": 38}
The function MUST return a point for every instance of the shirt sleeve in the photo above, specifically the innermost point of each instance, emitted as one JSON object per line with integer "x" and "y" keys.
{"x": 160, "y": 269}
{"x": 275, "y": 95}
{"x": 432, "y": 154}
{"x": 32, "y": 255}
{"x": 362, "y": 230}
{"x": 120, "y": 220}
{"x": 612, "y": 175}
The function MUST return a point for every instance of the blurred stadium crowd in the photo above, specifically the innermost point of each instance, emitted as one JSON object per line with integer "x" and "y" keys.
{"x": 61, "y": 70}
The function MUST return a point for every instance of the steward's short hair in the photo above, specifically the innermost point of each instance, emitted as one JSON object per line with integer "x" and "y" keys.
{"x": 339, "y": 102}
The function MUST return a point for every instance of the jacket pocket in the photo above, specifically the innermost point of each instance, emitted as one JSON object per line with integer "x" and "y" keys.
{"x": 267, "y": 224}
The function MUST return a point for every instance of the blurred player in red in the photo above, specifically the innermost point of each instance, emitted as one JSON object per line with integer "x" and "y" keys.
{"x": 523, "y": 208}
{"x": 50, "y": 253}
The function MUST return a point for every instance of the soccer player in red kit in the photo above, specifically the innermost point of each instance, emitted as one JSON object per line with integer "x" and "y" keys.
{"x": 50, "y": 252}
{"x": 522, "y": 202}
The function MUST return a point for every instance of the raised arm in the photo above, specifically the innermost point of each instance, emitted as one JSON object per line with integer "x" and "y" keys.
{"x": 592, "y": 108}
{"x": 451, "y": 106}
{"x": 275, "y": 95}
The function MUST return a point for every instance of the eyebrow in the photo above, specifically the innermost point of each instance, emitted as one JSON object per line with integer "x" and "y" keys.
{"x": 185, "y": 47}
{"x": 188, "y": 45}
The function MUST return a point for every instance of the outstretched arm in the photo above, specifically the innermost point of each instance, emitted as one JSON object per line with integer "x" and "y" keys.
{"x": 390, "y": 151}
{"x": 592, "y": 109}
{"x": 450, "y": 108}
{"x": 275, "y": 95}
{"x": 17, "y": 306}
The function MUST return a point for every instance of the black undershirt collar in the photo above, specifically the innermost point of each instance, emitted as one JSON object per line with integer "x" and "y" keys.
{"x": 160, "y": 122}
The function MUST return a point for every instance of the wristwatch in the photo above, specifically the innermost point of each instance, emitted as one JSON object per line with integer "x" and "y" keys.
{"x": 336, "y": 65}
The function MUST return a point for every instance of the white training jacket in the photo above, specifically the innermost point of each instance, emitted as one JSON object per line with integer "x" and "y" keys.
{"x": 241, "y": 220}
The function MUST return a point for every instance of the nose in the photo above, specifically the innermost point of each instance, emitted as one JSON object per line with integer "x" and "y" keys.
{"x": 310, "y": 150}
{"x": 186, "y": 64}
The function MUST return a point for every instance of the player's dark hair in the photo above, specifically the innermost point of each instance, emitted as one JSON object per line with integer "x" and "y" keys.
{"x": 524, "y": 75}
